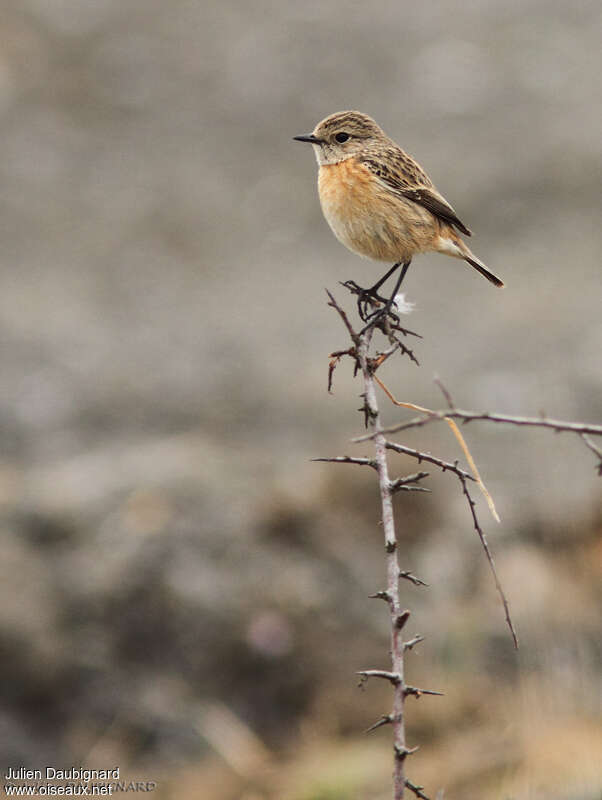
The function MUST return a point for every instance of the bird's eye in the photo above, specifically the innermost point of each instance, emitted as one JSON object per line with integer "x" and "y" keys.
{"x": 341, "y": 137}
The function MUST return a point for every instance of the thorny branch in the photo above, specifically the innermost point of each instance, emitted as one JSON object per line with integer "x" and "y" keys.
{"x": 446, "y": 466}
{"x": 463, "y": 476}
{"x": 556, "y": 425}
{"x": 389, "y": 325}
{"x": 367, "y": 365}
{"x": 407, "y": 483}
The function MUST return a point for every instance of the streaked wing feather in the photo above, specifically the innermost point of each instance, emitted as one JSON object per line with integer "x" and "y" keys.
{"x": 437, "y": 205}
{"x": 402, "y": 175}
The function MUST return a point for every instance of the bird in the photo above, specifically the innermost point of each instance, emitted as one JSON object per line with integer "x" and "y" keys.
{"x": 378, "y": 200}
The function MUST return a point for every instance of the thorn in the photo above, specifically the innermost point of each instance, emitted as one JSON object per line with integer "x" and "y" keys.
{"x": 408, "y": 483}
{"x": 386, "y": 719}
{"x": 413, "y": 642}
{"x": 364, "y": 674}
{"x": 395, "y": 487}
{"x": 401, "y": 619}
{"x": 416, "y": 692}
{"x": 364, "y": 462}
{"x": 402, "y": 752}
{"x": 380, "y": 596}
{"x": 409, "y": 577}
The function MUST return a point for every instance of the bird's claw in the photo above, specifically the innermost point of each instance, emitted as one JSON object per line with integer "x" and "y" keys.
{"x": 366, "y": 298}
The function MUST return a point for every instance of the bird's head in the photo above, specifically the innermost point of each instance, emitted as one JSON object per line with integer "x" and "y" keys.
{"x": 343, "y": 135}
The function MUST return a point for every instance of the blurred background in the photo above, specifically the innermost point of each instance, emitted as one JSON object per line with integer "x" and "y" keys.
{"x": 183, "y": 594}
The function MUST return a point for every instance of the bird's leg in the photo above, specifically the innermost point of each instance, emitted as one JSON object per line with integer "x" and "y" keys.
{"x": 400, "y": 278}
{"x": 366, "y": 295}
{"x": 373, "y": 291}
{"x": 382, "y": 313}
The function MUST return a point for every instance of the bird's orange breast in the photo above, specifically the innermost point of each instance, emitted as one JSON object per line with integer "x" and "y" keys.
{"x": 346, "y": 189}
{"x": 365, "y": 216}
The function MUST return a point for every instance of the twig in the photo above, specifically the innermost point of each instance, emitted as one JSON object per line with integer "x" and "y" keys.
{"x": 364, "y": 462}
{"x": 380, "y": 358}
{"x": 439, "y": 462}
{"x": 408, "y": 483}
{"x": 416, "y": 789}
{"x": 444, "y": 392}
{"x": 483, "y": 538}
{"x": 333, "y": 304}
{"x": 334, "y": 362}
{"x": 595, "y": 450}
{"x": 405, "y": 350}
{"x": 557, "y": 425}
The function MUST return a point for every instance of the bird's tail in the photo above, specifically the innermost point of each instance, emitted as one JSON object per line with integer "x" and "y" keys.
{"x": 463, "y": 251}
{"x": 480, "y": 267}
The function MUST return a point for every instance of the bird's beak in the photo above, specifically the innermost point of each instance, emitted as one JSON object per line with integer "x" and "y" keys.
{"x": 309, "y": 138}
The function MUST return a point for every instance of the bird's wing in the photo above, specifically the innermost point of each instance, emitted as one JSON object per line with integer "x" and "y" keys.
{"x": 402, "y": 176}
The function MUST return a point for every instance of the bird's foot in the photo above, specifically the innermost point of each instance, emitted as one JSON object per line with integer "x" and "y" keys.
{"x": 369, "y": 301}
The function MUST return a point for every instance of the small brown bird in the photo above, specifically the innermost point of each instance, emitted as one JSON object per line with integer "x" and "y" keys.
{"x": 377, "y": 199}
